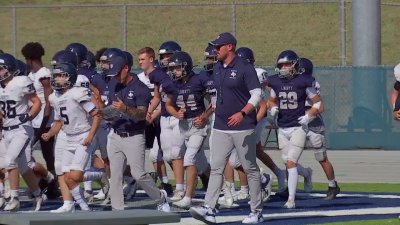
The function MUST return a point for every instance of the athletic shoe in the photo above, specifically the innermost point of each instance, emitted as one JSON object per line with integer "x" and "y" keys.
{"x": 228, "y": 194}
{"x": 39, "y": 200}
{"x": 12, "y": 205}
{"x": 254, "y": 217}
{"x": 203, "y": 213}
{"x": 100, "y": 195}
{"x": 183, "y": 203}
{"x": 289, "y": 205}
{"x": 106, "y": 201}
{"x": 65, "y": 208}
{"x": 308, "y": 186}
{"x": 168, "y": 188}
{"x": 2, "y": 202}
{"x": 163, "y": 205}
{"x": 88, "y": 196}
{"x": 105, "y": 183}
{"x": 332, "y": 192}
{"x": 242, "y": 195}
{"x": 178, "y": 195}
{"x": 52, "y": 191}
{"x": 266, "y": 187}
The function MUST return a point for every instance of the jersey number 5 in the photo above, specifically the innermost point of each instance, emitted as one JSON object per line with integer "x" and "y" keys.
{"x": 288, "y": 100}
{"x": 8, "y": 107}
{"x": 63, "y": 115}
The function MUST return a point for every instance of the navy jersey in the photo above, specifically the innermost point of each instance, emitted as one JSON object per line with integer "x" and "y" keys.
{"x": 88, "y": 72}
{"x": 292, "y": 96}
{"x": 165, "y": 84}
{"x": 233, "y": 84}
{"x": 190, "y": 95}
{"x": 134, "y": 94}
{"x": 207, "y": 73}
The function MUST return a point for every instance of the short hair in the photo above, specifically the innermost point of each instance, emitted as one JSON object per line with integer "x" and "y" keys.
{"x": 1, "y": 51}
{"x": 149, "y": 51}
{"x": 99, "y": 53}
{"x": 33, "y": 50}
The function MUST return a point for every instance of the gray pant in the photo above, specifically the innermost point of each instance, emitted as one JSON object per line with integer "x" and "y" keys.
{"x": 221, "y": 147}
{"x": 131, "y": 150}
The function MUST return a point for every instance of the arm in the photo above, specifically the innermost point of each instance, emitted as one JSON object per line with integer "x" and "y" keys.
{"x": 238, "y": 117}
{"x": 262, "y": 110}
{"x": 36, "y": 105}
{"x": 47, "y": 109}
{"x": 55, "y": 128}
{"x": 155, "y": 101}
{"x": 96, "y": 99}
{"x": 95, "y": 124}
{"x": 170, "y": 106}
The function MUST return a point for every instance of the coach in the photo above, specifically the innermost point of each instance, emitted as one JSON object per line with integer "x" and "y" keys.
{"x": 238, "y": 93}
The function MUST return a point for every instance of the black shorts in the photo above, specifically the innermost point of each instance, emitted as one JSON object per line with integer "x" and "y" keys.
{"x": 151, "y": 132}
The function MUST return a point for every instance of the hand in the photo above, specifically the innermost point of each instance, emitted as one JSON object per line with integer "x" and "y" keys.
{"x": 23, "y": 118}
{"x": 200, "y": 121}
{"x": 149, "y": 117}
{"x": 235, "y": 119}
{"x": 181, "y": 114}
{"x": 87, "y": 140}
{"x": 396, "y": 115}
{"x": 119, "y": 105}
{"x": 46, "y": 136}
{"x": 305, "y": 120}
{"x": 274, "y": 111}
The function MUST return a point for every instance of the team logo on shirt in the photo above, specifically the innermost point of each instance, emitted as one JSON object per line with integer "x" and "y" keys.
{"x": 233, "y": 74}
{"x": 130, "y": 95}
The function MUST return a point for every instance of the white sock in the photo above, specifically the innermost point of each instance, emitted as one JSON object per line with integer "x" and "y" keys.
{"x": 67, "y": 202}
{"x": 87, "y": 185}
{"x": 187, "y": 199}
{"x": 292, "y": 182}
{"x": 245, "y": 188}
{"x": 165, "y": 180}
{"x": 14, "y": 193}
{"x": 91, "y": 175}
{"x": 179, "y": 187}
{"x": 78, "y": 196}
{"x": 50, "y": 177}
{"x": 332, "y": 183}
{"x": 301, "y": 170}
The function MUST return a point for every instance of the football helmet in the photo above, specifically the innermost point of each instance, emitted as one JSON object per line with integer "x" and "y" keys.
{"x": 246, "y": 54}
{"x": 63, "y": 76}
{"x": 180, "y": 65}
{"x": 210, "y": 57}
{"x": 287, "y": 64}
{"x": 8, "y": 66}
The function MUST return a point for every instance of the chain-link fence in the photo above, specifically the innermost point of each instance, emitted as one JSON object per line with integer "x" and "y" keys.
{"x": 318, "y": 29}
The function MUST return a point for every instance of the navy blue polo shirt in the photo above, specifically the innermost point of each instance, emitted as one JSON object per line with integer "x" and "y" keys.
{"x": 87, "y": 72}
{"x": 101, "y": 82}
{"x": 165, "y": 84}
{"x": 292, "y": 96}
{"x": 190, "y": 95}
{"x": 134, "y": 94}
{"x": 207, "y": 73}
{"x": 233, "y": 84}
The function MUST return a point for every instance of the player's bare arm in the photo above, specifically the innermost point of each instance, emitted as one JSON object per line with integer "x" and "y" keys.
{"x": 155, "y": 101}
{"x": 36, "y": 105}
{"x": 47, "y": 109}
{"x": 95, "y": 124}
{"x": 55, "y": 128}
{"x": 170, "y": 106}
{"x": 262, "y": 109}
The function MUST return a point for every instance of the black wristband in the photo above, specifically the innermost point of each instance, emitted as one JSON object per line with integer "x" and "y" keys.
{"x": 243, "y": 113}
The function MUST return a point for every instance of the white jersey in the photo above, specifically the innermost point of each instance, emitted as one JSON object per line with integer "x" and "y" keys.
{"x": 13, "y": 99}
{"x": 262, "y": 77}
{"x": 145, "y": 79}
{"x": 68, "y": 107}
{"x": 82, "y": 81}
{"x": 36, "y": 79}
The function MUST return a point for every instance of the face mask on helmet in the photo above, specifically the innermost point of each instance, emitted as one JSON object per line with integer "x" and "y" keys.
{"x": 286, "y": 69}
{"x": 60, "y": 80}
{"x": 5, "y": 73}
{"x": 164, "y": 59}
{"x": 209, "y": 61}
{"x": 177, "y": 71}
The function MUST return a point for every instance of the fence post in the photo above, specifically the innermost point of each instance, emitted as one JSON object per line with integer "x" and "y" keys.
{"x": 124, "y": 25}
{"x": 342, "y": 32}
{"x": 14, "y": 30}
{"x": 233, "y": 13}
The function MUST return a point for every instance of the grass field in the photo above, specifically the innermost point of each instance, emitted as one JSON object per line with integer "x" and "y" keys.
{"x": 310, "y": 29}
{"x": 368, "y": 222}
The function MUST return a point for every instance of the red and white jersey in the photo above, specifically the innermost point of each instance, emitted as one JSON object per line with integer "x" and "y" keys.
{"x": 72, "y": 108}
{"x": 14, "y": 100}
{"x": 36, "y": 79}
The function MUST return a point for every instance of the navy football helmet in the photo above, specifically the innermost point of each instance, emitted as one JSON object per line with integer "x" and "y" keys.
{"x": 111, "y": 52}
{"x": 246, "y": 54}
{"x": 180, "y": 61}
{"x": 129, "y": 59}
{"x": 287, "y": 64}
{"x": 22, "y": 68}
{"x": 91, "y": 60}
{"x": 79, "y": 49}
{"x": 166, "y": 50}
{"x": 65, "y": 56}
{"x": 63, "y": 76}
{"x": 305, "y": 66}
{"x": 8, "y": 66}
{"x": 210, "y": 57}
